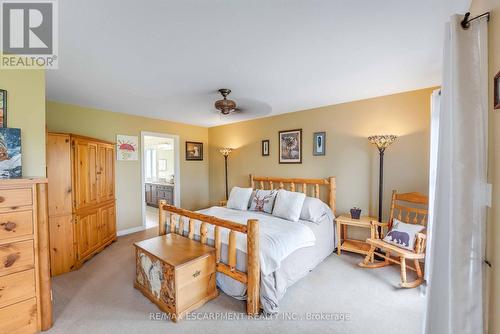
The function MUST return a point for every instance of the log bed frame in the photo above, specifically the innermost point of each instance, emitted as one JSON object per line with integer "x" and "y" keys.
{"x": 252, "y": 277}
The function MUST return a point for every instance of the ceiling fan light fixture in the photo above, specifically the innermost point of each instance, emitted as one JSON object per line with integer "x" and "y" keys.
{"x": 225, "y": 106}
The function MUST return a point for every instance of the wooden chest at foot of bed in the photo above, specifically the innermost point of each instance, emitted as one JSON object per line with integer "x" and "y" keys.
{"x": 175, "y": 273}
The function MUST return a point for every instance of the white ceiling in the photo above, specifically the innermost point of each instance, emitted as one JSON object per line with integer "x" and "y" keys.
{"x": 166, "y": 59}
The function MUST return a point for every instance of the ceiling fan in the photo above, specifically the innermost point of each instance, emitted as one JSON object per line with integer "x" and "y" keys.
{"x": 225, "y": 106}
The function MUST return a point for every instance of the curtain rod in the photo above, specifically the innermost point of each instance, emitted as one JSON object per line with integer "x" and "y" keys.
{"x": 466, "y": 21}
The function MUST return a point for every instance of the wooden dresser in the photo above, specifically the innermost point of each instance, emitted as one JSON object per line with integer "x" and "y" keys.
{"x": 81, "y": 173}
{"x": 175, "y": 273}
{"x": 25, "y": 295}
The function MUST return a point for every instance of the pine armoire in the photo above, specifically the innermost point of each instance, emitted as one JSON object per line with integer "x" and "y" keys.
{"x": 81, "y": 192}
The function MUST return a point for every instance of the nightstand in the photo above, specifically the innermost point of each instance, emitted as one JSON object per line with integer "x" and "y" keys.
{"x": 352, "y": 245}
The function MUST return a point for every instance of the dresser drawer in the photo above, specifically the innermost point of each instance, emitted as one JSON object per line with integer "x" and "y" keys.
{"x": 17, "y": 287}
{"x": 161, "y": 194}
{"x": 16, "y": 256}
{"x": 195, "y": 270}
{"x": 16, "y": 224}
{"x": 15, "y": 197}
{"x": 19, "y": 318}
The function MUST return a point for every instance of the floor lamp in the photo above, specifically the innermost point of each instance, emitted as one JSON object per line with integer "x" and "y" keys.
{"x": 225, "y": 151}
{"x": 382, "y": 142}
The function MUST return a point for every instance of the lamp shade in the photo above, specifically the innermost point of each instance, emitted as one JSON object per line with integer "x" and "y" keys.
{"x": 225, "y": 151}
{"x": 382, "y": 141}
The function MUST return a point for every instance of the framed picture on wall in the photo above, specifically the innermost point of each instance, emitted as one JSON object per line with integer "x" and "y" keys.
{"x": 265, "y": 148}
{"x": 10, "y": 153}
{"x": 496, "y": 85}
{"x": 290, "y": 142}
{"x": 194, "y": 151}
{"x": 127, "y": 148}
{"x": 319, "y": 147}
{"x": 3, "y": 108}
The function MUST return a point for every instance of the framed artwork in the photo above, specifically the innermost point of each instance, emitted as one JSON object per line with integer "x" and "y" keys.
{"x": 290, "y": 142}
{"x": 194, "y": 151}
{"x": 10, "y": 153}
{"x": 3, "y": 108}
{"x": 127, "y": 148}
{"x": 265, "y": 148}
{"x": 319, "y": 146}
{"x": 496, "y": 87}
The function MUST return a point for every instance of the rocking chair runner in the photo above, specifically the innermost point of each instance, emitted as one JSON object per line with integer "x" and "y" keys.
{"x": 415, "y": 214}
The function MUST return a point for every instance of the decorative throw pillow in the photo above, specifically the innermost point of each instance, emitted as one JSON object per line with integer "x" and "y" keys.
{"x": 263, "y": 200}
{"x": 238, "y": 198}
{"x": 288, "y": 205}
{"x": 314, "y": 209}
{"x": 403, "y": 235}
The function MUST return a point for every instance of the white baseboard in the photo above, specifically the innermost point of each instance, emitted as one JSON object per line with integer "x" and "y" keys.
{"x": 130, "y": 230}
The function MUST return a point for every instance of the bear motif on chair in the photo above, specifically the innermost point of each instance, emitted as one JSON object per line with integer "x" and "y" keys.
{"x": 400, "y": 237}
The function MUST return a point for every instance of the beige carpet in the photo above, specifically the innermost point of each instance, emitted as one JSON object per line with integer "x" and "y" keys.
{"x": 100, "y": 298}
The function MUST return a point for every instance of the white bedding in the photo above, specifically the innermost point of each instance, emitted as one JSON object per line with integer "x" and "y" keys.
{"x": 294, "y": 267}
{"x": 280, "y": 243}
{"x": 278, "y": 237}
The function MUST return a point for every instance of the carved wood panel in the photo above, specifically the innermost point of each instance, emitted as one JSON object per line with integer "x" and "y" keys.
{"x": 157, "y": 278}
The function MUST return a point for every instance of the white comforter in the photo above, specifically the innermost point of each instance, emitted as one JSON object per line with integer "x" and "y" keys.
{"x": 288, "y": 251}
{"x": 278, "y": 237}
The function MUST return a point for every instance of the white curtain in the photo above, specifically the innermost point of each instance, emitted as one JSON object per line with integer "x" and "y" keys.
{"x": 456, "y": 287}
{"x": 433, "y": 163}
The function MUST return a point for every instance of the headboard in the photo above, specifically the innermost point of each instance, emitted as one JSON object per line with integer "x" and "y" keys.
{"x": 298, "y": 184}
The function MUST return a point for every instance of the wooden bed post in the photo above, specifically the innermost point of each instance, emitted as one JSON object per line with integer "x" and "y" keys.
{"x": 44, "y": 257}
{"x": 253, "y": 267}
{"x": 161, "y": 218}
{"x": 332, "y": 195}
{"x": 252, "y": 183}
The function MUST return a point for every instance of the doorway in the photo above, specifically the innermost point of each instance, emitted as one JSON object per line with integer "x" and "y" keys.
{"x": 160, "y": 177}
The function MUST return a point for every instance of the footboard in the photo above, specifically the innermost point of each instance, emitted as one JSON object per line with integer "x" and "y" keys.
{"x": 251, "y": 278}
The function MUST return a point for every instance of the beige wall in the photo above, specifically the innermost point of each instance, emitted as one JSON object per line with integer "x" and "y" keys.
{"x": 106, "y": 125}
{"x": 349, "y": 156}
{"x": 493, "y": 230}
{"x": 26, "y": 110}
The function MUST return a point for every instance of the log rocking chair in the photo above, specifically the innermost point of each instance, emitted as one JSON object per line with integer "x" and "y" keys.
{"x": 410, "y": 208}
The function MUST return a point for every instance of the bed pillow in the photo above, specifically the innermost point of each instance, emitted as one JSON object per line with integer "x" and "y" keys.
{"x": 263, "y": 200}
{"x": 403, "y": 235}
{"x": 251, "y": 198}
{"x": 314, "y": 210}
{"x": 238, "y": 198}
{"x": 288, "y": 205}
